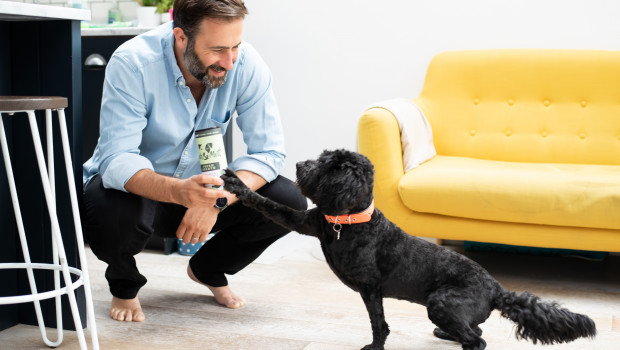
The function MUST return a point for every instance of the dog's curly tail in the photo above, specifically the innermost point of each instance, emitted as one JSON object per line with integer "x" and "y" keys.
{"x": 544, "y": 322}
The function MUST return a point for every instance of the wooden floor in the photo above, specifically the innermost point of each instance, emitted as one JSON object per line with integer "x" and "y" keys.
{"x": 295, "y": 302}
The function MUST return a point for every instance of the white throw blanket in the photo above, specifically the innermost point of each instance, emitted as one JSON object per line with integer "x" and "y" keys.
{"x": 415, "y": 131}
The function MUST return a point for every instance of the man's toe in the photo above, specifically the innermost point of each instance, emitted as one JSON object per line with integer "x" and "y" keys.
{"x": 138, "y": 316}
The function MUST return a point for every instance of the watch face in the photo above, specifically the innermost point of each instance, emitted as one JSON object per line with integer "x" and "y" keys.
{"x": 221, "y": 202}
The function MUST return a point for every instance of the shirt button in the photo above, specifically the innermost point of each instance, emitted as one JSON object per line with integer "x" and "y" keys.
{"x": 177, "y": 175}
{"x": 185, "y": 153}
{"x": 181, "y": 83}
{"x": 189, "y": 100}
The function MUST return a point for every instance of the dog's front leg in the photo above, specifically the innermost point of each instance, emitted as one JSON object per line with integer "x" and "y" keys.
{"x": 295, "y": 220}
{"x": 373, "y": 299}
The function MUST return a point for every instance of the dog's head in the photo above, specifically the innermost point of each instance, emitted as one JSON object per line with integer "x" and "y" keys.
{"x": 338, "y": 182}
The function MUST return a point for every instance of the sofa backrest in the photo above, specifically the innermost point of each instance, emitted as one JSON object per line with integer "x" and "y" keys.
{"x": 554, "y": 106}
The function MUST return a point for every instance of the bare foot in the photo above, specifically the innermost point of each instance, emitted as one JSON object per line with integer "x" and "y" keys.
{"x": 223, "y": 295}
{"x": 126, "y": 310}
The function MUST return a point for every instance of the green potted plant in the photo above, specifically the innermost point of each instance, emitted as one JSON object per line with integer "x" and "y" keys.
{"x": 146, "y": 13}
{"x": 165, "y": 8}
{"x": 148, "y": 3}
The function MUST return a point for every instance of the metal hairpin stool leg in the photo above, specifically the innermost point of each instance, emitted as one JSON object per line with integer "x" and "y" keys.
{"x": 16, "y": 104}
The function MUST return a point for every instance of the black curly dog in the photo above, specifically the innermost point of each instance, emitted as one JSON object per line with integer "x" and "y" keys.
{"x": 378, "y": 259}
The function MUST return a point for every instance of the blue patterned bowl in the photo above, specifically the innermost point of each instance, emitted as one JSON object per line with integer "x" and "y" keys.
{"x": 188, "y": 248}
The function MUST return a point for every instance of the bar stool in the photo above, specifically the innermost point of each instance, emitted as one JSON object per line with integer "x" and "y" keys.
{"x": 20, "y": 104}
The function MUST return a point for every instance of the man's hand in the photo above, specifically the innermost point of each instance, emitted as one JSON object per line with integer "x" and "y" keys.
{"x": 189, "y": 192}
{"x": 196, "y": 224}
{"x": 192, "y": 192}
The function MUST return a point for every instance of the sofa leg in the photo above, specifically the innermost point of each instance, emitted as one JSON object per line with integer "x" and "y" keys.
{"x": 439, "y": 241}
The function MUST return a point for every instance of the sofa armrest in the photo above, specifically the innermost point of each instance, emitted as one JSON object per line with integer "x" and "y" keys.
{"x": 379, "y": 140}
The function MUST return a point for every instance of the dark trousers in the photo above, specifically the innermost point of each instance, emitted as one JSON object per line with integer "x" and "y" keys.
{"x": 119, "y": 224}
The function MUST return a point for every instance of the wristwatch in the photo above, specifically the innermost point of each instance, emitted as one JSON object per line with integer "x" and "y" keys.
{"x": 221, "y": 203}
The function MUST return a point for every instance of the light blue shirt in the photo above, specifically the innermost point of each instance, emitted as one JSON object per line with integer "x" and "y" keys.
{"x": 149, "y": 116}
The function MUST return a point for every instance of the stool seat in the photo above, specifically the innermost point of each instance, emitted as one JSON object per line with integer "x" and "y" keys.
{"x": 21, "y": 103}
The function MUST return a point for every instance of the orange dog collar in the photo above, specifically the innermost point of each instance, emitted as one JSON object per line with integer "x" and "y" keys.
{"x": 352, "y": 218}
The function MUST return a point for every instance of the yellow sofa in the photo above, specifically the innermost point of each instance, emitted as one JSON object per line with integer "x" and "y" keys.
{"x": 528, "y": 150}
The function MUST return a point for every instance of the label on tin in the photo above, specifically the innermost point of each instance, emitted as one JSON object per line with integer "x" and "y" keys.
{"x": 211, "y": 151}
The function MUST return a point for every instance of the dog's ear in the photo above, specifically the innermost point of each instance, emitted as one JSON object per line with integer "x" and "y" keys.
{"x": 307, "y": 177}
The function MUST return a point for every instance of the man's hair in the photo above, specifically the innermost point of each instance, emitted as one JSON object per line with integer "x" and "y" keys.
{"x": 189, "y": 14}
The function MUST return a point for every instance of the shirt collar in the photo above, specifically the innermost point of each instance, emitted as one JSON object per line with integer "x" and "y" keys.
{"x": 171, "y": 61}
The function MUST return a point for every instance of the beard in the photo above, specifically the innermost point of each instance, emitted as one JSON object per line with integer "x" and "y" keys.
{"x": 200, "y": 71}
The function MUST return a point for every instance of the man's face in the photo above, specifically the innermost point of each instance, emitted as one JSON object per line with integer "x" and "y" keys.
{"x": 213, "y": 51}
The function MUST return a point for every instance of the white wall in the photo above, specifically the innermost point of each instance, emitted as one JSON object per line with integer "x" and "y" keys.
{"x": 331, "y": 58}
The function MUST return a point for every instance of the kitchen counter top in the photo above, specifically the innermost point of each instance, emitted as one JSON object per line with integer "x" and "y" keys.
{"x": 115, "y": 31}
{"x": 19, "y": 11}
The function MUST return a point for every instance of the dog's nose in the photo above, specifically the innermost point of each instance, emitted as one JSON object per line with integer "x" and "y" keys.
{"x": 306, "y": 165}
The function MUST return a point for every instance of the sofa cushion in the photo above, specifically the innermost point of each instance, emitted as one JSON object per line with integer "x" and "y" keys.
{"x": 536, "y": 193}
{"x": 525, "y": 105}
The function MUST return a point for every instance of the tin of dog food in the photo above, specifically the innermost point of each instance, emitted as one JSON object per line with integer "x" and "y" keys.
{"x": 211, "y": 151}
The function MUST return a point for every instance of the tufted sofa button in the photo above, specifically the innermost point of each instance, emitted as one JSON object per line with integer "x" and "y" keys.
{"x": 508, "y": 132}
{"x": 583, "y": 104}
{"x": 476, "y": 101}
{"x": 472, "y": 132}
{"x": 511, "y": 102}
{"x": 544, "y": 134}
{"x": 546, "y": 103}
{"x": 582, "y": 136}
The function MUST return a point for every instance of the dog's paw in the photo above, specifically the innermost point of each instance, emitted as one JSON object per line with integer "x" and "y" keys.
{"x": 372, "y": 347}
{"x": 233, "y": 184}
